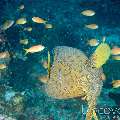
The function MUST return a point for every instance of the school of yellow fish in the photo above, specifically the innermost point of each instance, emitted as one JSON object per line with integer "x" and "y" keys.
{"x": 3, "y": 57}
{"x": 115, "y": 52}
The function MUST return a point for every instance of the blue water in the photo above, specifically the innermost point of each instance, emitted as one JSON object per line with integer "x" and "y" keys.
{"x": 68, "y": 29}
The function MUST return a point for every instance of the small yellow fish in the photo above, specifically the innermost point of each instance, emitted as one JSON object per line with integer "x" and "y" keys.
{"x": 116, "y": 57}
{"x": 115, "y": 51}
{"x": 103, "y": 77}
{"x": 24, "y": 41}
{"x": 88, "y": 13}
{"x": 116, "y": 83}
{"x": 28, "y": 29}
{"x": 4, "y": 55}
{"x": 21, "y": 21}
{"x": 43, "y": 79}
{"x": 33, "y": 49}
{"x": 93, "y": 42}
{"x": 7, "y": 24}
{"x": 92, "y": 26}
{"x": 48, "y": 26}
{"x": 45, "y": 64}
{"x": 2, "y": 66}
{"x": 38, "y": 20}
{"x": 21, "y": 7}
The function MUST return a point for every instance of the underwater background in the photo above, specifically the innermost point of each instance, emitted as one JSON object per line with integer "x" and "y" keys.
{"x": 22, "y": 96}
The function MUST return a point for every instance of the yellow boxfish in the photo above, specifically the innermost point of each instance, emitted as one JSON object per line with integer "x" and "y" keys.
{"x": 72, "y": 75}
